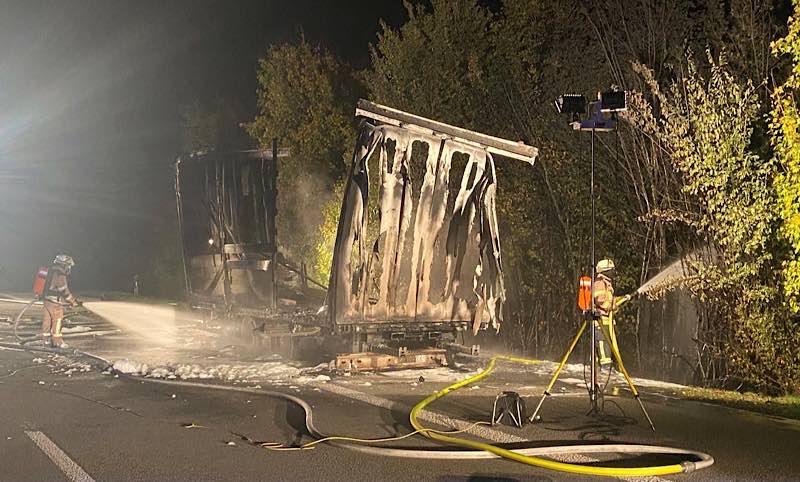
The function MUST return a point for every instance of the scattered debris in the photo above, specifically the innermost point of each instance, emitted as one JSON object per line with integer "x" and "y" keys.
{"x": 192, "y": 425}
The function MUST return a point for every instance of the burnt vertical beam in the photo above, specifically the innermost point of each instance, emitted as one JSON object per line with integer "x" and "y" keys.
{"x": 182, "y": 238}
{"x": 394, "y": 274}
{"x": 264, "y": 213}
{"x": 220, "y": 184}
{"x": 253, "y": 180}
{"x": 234, "y": 200}
{"x": 273, "y": 216}
{"x": 213, "y": 223}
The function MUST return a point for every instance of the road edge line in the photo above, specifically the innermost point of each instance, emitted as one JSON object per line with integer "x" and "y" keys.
{"x": 72, "y": 470}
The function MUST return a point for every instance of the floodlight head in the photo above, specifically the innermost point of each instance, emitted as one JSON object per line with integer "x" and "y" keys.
{"x": 571, "y": 104}
{"x": 597, "y": 122}
{"x": 613, "y": 101}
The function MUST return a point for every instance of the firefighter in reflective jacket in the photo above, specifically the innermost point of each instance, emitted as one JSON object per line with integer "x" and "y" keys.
{"x": 605, "y": 304}
{"x": 56, "y": 295}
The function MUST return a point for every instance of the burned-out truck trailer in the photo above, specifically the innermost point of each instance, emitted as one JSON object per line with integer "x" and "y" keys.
{"x": 226, "y": 204}
{"x": 417, "y": 258}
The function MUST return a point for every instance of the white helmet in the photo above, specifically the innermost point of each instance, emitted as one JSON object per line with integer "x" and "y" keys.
{"x": 604, "y": 266}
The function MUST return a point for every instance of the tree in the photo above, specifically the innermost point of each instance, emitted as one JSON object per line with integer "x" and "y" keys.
{"x": 785, "y": 128}
{"x": 644, "y": 45}
{"x": 306, "y": 99}
{"x": 434, "y": 64}
{"x": 708, "y": 128}
{"x": 213, "y": 125}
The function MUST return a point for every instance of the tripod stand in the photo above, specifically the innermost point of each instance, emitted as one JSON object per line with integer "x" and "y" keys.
{"x": 594, "y": 390}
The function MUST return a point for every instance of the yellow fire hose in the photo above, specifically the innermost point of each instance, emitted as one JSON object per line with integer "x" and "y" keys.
{"x": 526, "y": 459}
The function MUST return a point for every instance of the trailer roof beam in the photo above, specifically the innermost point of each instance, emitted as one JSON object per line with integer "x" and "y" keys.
{"x": 495, "y": 145}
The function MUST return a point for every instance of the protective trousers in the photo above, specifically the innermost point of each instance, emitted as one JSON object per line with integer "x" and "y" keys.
{"x": 605, "y": 335}
{"x": 51, "y": 323}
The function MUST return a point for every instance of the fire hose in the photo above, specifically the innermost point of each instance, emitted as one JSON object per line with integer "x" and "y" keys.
{"x": 27, "y": 339}
{"x": 703, "y": 460}
{"x": 18, "y": 317}
{"x": 477, "y": 449}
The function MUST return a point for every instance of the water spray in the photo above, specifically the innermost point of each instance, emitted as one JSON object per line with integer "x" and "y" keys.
{"x": 671, "y": 276}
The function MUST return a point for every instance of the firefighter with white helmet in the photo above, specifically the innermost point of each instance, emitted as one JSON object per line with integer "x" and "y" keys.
{"x": 605, "y": 304}
{"x": 56, "y": 295}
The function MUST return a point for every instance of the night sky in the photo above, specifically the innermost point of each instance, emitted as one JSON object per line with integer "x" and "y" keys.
{"x": 90, "y": 99}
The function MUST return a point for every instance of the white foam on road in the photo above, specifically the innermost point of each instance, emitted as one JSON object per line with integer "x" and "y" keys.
{"x": 271, "y": 372}
{"x": 73, "y": 471}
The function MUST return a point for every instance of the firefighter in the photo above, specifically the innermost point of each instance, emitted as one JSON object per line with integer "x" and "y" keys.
{"x": 56, "y": 295}
{"x": 605, "y": 304}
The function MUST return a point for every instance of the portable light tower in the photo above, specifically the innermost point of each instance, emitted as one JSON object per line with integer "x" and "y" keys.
{"x": 609, "y": 102}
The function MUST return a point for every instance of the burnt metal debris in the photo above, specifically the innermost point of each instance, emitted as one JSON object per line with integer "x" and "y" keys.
{"x": 417, "y": 252}
{"x": 226, "y": 219}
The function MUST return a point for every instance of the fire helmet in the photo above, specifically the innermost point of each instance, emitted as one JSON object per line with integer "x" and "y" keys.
{"x": 64, "y": 260}
{"x": 604, "y": 266}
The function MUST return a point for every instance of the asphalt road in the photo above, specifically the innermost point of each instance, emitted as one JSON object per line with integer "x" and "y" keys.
{"x": 61, "y": 416}
{"x": 118, "y": 429}
{"x": 115, "y": 429}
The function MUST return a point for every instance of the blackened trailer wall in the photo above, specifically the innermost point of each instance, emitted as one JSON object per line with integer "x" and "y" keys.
{"x": 432, "y": 253}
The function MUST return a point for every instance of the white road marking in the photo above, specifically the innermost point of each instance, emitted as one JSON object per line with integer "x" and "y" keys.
{"x": 487, "y": 433}
{"x": 73, "y": 471}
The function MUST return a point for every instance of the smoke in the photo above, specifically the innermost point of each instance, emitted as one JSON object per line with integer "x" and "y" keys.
{"x": 301, "y": 199}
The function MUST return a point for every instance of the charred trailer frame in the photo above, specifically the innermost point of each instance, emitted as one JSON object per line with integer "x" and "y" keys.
{"x": 226, "y": 203}
{"x": 417, "y": 253}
